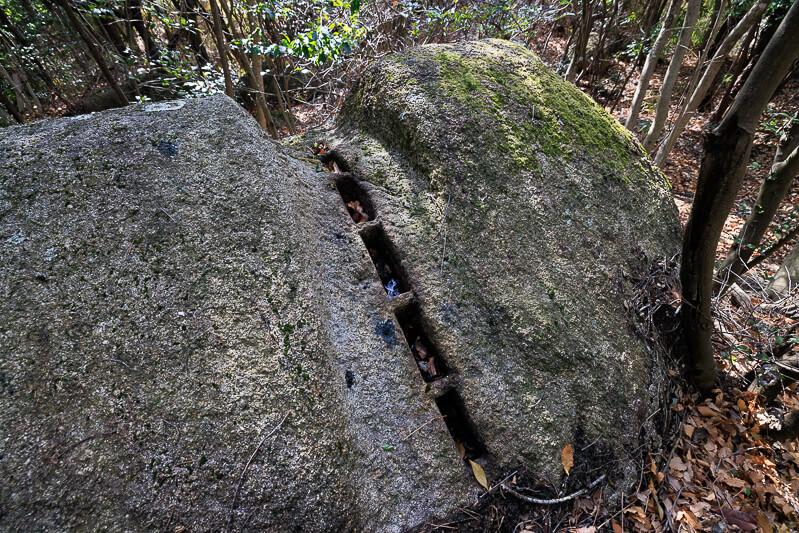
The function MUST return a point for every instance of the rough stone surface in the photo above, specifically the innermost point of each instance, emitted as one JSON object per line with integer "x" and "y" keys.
{"x": 521, "y": 211}
{"x": 175, "y": 284}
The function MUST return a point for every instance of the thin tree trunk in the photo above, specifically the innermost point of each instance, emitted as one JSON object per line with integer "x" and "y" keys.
{"x": 651, "y": 60}
{"x": 95, "y": 53}
{"x": 772, "y": 22}
{"x": 732, "y": 73}
{"x": 735, "y": 74}
{"x": 666, "y": 90}
{"x": 9, "y": 105}
{"x": 773, "y": 189}
{"x": 578, "y": 54}
{"x": 727, "y": 150}
{"x": 140, "y": 25}
{"x": 774, "y": 248}
{"x": 22, "y": 101}
{"x": 221, "y": 47}
{"x": 688, "y": 110}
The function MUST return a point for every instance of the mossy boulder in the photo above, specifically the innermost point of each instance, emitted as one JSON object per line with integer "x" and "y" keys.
{"x": 523, "y": 213}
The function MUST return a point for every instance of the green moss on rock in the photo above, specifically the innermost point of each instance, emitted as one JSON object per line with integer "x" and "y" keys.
{"x": 508, "y": 111}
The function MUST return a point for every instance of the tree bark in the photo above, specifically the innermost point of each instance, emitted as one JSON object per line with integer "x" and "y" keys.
{"x": 687, "y": 112}
{"x": 578, "y": 54}
{"x": 773, "y": 189}
{"x": 221, "y": 47}
{"x": 727, "y": 150}
{"x": 95, "y": 53}
{"x": 10, "y": 107}
{"x": 664, "y": 98}
{"x": 651, "y": 60}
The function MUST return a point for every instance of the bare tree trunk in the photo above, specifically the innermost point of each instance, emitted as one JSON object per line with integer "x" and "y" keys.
{"x": 221, "y": 47}
{"x": 735, "y": 73}
{"x": 688, "y": 110}
{"x": 666, "y": 90}
{"x": 772, "y": 22}
{"x": 578, "y": 54}
{"x": 651, "y": 60}
{"x": 776, "y": 247}
{"x": 773, "y": 189}
{"x": 727, "y": 150}
{"x": 139, "y": 23}
{"x": 9, "y": 105}
{"x": 23, "y": 103}
{"x": 95, "y": 53}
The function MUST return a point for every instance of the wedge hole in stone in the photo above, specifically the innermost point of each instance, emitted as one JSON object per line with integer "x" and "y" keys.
{"x": 466, "y": 440}
{"x": 358, "y": 204}
{"x": 385, "y": 261}
{"x": 429, "y": 362}
{"x": 333, "y": 156}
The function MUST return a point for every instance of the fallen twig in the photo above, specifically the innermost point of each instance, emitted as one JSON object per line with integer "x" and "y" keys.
{"x": 71, "y": 447}
{"x": 490, "y": 490}
{"x": 246, "y": 467}
{"x": 554, "y": 501}
{"x": 406, "y": 437}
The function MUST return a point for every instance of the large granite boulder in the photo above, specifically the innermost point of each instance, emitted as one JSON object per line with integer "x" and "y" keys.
{"x": 522, "y": 213}
{"x": 196, "y": 332}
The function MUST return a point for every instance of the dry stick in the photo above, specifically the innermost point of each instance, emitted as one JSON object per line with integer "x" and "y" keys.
{"x": 246, "y": 467}
{"x": 406, "y": 437}
{"x": 498, "y": 484}
{"x": 81, "y": 441}
{"x": 446, "y": 210}
{"x": 554, "y": 501}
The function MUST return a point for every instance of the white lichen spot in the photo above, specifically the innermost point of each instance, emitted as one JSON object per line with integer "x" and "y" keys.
{"x": 50, "y": 253}
{"x": 17, "y": 238}
{"x": 164, "y": 106}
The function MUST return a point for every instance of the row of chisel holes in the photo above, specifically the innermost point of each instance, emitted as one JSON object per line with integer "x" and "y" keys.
{"x": 429, "y": 361}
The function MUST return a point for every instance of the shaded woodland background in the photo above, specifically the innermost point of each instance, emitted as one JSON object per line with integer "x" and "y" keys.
{"x": 683, "y": 75}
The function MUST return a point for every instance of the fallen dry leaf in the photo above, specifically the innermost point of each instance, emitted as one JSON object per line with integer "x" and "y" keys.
{"x": 743, "y": 520}
{"x": 567, "y": 458}
{"x": 479, "y": 474}
{"x": 461, "y": 449}
{"x": 763, "y": 523}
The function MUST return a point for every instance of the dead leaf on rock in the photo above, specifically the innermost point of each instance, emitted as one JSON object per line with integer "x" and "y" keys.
{"x": 479, "y": 474}
{"x": 567, "y": 458}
